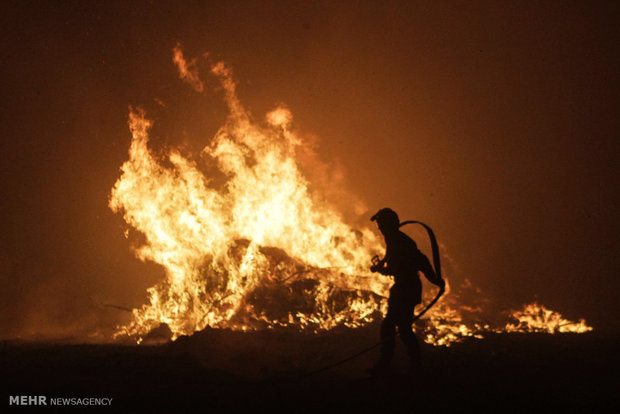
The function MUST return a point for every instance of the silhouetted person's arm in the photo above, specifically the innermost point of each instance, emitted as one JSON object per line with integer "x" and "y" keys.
{"x": 395, "y": 261}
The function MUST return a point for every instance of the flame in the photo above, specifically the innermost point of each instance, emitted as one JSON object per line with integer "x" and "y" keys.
{"x": 187, "y": 71}
{"x": 256, "y": 249}
{"x": 223, "y": 247}
{"x": 536, "y": 318}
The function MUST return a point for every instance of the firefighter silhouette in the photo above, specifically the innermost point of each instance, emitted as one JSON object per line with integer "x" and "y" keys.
{"x": 403, "y": 261}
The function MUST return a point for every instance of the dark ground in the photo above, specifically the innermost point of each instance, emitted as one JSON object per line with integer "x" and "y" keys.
{"x": 225, "y": 371}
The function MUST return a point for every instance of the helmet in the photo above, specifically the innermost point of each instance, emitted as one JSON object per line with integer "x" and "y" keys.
{"x": 386, "y": 217}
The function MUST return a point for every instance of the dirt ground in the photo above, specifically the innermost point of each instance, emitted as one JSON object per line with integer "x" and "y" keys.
{"x": 267, "y": 371}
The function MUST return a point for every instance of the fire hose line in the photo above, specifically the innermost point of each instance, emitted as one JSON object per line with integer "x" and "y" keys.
{"x": 437, "y": 268}
{"x": 362, "y": 352}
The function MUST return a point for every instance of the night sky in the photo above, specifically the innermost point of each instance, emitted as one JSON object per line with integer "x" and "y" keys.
{"x": 495, "y": 123}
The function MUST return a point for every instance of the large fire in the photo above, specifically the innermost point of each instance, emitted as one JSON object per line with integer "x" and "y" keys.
{"x": 259, "y": 249}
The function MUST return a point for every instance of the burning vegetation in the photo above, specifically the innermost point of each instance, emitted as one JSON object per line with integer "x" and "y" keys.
{"x": 259, "y": 249}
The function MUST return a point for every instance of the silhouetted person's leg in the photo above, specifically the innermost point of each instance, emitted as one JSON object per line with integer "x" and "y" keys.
{"x": 411, "y": 343}
{"x": 400, "y": 313}
{"x": 388, "y": 334}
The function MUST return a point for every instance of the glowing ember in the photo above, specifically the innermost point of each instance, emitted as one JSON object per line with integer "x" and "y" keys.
{"x": 260, "y": 250}
{"x": 537, "y": 318}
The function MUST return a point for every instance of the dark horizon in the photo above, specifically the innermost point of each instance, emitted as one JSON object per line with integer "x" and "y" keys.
{"x": 497, "y": 122}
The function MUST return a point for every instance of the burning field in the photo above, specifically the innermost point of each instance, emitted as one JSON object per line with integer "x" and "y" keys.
{"x": 267, "y": 284}
{"x": 248, "y": 244}
{"x": 216, "y": 254}
{"x": 267, "y": 289}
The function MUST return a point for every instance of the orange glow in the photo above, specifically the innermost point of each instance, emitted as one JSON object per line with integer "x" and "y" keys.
{"x": 537, "y": 318}
{"x": 259, "y": 250}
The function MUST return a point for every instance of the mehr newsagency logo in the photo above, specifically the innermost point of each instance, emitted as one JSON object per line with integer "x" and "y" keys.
{"x": 44, "y": 400}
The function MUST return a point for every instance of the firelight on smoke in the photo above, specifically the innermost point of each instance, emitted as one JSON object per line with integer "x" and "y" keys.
{"x": 260, "y": 249}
